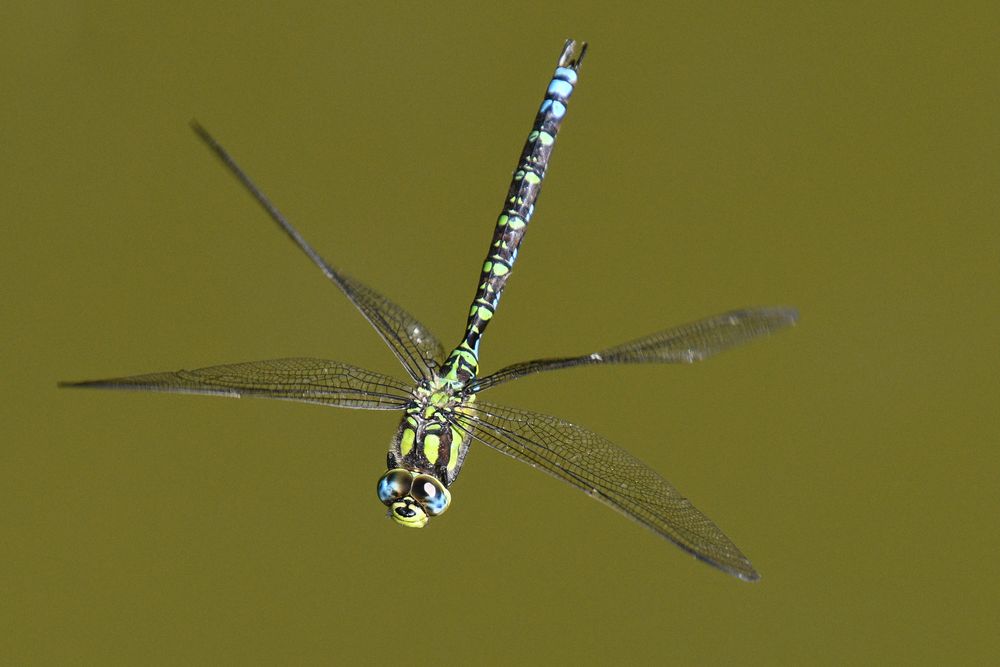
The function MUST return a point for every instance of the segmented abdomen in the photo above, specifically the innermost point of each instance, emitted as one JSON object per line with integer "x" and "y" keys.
{"x": 463, "y": 363}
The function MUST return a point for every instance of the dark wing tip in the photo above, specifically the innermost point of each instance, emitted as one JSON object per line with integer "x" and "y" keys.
{"x": 96, "y": 384}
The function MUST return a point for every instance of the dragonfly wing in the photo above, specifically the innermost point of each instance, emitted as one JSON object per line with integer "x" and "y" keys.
{"x": 413, "y": 344}
{"x": 299, "y": 379}
{"x": 610, "y": 474}
{"x": 679, "y": 345}
{"x": 415, "y": 347}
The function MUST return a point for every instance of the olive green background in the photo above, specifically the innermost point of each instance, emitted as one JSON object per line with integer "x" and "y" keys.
{"x": 838, "y": 159}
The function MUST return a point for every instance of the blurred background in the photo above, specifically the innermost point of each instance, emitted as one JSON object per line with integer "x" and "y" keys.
{"x": 841, "y": 159}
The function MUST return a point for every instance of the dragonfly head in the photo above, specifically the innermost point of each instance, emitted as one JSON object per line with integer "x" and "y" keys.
{"x": 412, "y": 497}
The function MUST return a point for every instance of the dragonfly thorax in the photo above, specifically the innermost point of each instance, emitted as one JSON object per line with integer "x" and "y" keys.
{"x": 427, "y": 452}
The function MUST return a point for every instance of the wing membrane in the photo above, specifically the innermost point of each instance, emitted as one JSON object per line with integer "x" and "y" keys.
{"x": 680, "y": 345}
{"x": 412, "y": 343}
{"x": 299, "y": 379}
{"x": 608, "y": 473}
{"x": 415, "y": 347}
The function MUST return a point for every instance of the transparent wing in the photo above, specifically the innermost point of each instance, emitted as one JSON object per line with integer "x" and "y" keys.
{"x": 306, "y": 380}
{"x": 680, "y": 345}
{"x": 602, "y": 470}
{"x": 415, "y": 347}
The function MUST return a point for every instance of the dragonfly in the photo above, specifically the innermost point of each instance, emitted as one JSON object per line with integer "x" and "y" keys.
{"x": 440, "y": 406}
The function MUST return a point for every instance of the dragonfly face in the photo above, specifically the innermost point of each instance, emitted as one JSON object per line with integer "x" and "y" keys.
{"x": 412, "y": 497}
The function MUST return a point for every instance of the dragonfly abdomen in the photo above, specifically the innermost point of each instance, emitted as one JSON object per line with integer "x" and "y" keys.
{"x": 525, "y": 186}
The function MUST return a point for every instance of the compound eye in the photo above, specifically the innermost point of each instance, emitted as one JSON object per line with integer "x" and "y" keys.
{"x": 431, "y": 494}
{"x": 394, "y": 485}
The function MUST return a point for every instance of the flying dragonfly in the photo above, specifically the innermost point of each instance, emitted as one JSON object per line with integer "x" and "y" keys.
{"x": 441, "y": 411}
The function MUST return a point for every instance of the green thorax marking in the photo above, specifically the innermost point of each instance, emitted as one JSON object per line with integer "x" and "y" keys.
{"x": 432, "y": 437}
